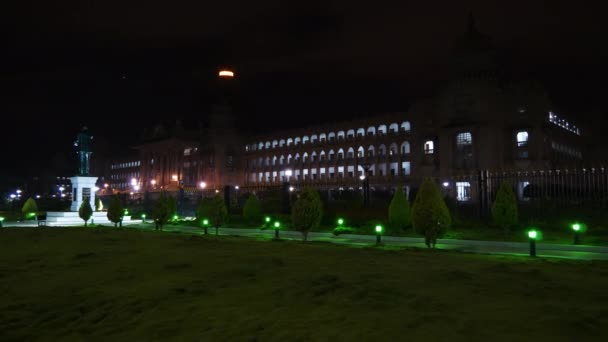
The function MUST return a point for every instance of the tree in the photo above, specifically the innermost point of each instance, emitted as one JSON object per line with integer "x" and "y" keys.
{"x": 504, "y": 209}
{"x": 85, "y": 211}
{"x": 252, "y": 211}
{"x": 171, "y": 206}
{"x": 399, "y": 215}
{"x": 203, "y": 212}
{"x": 98, "y": 204}
{"x": 430, "y": 215}
{"x": 160, "y": 212}
{"x": 218, "y": 213}
{"x": 307, "y": 212}
{"x": 30, "y": 208}
{"x": 115, "y": 210}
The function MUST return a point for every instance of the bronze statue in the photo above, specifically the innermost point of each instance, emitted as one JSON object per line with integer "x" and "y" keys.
{"x": 83, "y": 142}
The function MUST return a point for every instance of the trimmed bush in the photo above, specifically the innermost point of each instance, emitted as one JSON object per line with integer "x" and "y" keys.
{"x": 430, "y": 215}
{"x": 307, "y": 212}
{"x": 160, "y": 212}
{"x": 252, "y": 211}
{"x": 218, "y": 213}
{"x": 85, "y": 211}
{"x": 29, "y": 209}
{"x": 115, "y": 210}
{"x": 399, "y": 215}
{"x": 504, "y": 209}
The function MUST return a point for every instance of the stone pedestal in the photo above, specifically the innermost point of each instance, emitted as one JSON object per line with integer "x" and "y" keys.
{"x": 82, "y": 186}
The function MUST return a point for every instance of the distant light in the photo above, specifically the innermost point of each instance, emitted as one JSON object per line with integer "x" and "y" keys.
{"x": 37, "y": 196}
{"x": 378, "y": 229}
{"x": 136, "y": 187}
{"x": 277, "y": 224}
{"x": 340, "y": 221}
{"x": 533, "y": 234}
{"x": 217, "y": 191}
{"x": 175, "y": 218}
{"x": 143, "y": 216}
{"x": 576, "y": 227}
{"x": 203, "y": 185}
{"x": 446, "y": 184}
{"x": 106, "y": 185}
{"x": 206, "y": 222}
{"x": 131, "y": 193}
{"x": 62, "y": 195}
{"x": 133, "y": 181}
{"x": 18, "y": 191}
{"x": 174, "y": 177}
{"x": 236, "y": 187}
{"x": 13, "y": 196}
{"x": 288, "y": 173}
{"x": 291, "y": 189}
{"x": 153, "y": 182}
{"x": 226, "y": 73}
{"x": 362, "y": 177}
{"x": 61, "y": 188}
{"x": 267, "y": 219}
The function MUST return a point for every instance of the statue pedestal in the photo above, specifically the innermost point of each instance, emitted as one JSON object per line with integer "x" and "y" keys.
{"x": 82, "y": 186}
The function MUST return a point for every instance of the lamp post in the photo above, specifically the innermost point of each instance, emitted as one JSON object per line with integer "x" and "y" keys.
{"x": 202, "y": 186}
{"x": 205, "y": 225}
{"x": 577, "y": 228}
{"x": 277, "y": 226}
{"x": 143, "y": 218}
{"x": 532, "y": 236}
{"x": 1, "y": 220}
{"x": 267, "y": 221}
{"x": 379, "y": 230}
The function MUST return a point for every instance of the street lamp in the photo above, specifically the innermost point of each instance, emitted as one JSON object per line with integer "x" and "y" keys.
{"x": 379, "y": 230}
{"x": 533, "y": 235}
{"x": 291, "y": 189}
{"x": 205, "y": 225}
{"x": 143, "y": 218}
{"x": 277, "y": 226}
{"x": 340, "y": 222}
{"x": 1, "y": 220}
{"x": 578, "y": 229}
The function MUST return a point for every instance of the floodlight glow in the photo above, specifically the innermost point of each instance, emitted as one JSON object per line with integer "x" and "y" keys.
{"x": 143, "y": 216}
{"x": 153, "y": 182}
{"x": 13, "y": 196}
{"x": 133, "y": 181}
{"x": 126, "y": 211}
{"x": 226, "y": 73}
{"x": 378, "y": 229}
{"x": 205, "y": 222}
{"x": 202, "y": 185}
{"x": 62, "y": 195}
{"x": 576, "y": 227}
{"x": 533, "y": 234}
{"x": 277, "y": 224}
{"x": 18, "y": 191}
{"x": 174, "y": 177}
{"x": 136, "y": 188}
{"x": 291, "y": 188}
{"x": 1, "y": 219}
{"x": 37, "y": 196}
{"x": 236, "y": 187}
{"x": 106, "y": 185}
{"x": 340, "y": 221}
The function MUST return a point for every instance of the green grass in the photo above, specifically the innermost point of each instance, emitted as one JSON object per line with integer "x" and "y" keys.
{"x": 130, "y": 285}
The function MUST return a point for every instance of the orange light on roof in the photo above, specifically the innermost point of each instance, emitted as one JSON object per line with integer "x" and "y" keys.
{"x": 226, "y": 73}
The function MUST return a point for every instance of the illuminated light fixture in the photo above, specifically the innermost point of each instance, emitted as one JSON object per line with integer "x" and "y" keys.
{"x": 267, "y": 219}
{"x": 277, "y": 226}
{"x": 446, "y": 184}
{"x": 340, "y": 221}
{"x": 291, "y": 189}
{"x": 362, "y": 177}
{"x": 61, "y": 188}
{"x": 226, "y": 73}
{"x": 131, "y": 193}
{"x": 578, "y": 229}
{"x": 1, "y": 220}
{"x": 217, "y": 191}
{"x": 175, "y": 217}
{"x": 18, "y": 191}
{"x": 205, "y": 225}
{"x": 136, "y": 187}
{"x": 174, "y": 177}
{"x": 143, "y": 218}
{"x": 95, "y": 189}
{"x": 533, "y": 235}
{"x": 288, "y": 173}
{"x": 202, "y": 185}
{"x": 106, "y": 185}
{"x": 236, "y": 187}
{"x": 37, "y": 196}
{"x": 133, "y": 181}
{"x": 13, "y": 196}
{"x": 62, "y": 195}
{"x": 153, "y": 182}
{"x": 379, "y": 230}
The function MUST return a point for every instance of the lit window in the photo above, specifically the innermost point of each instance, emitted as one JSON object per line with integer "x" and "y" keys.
{"x": 187, "y": 151}
{"x": 522, "y": 138}
{"x": 429, "y": 147}
{"x": 464, "y": 139}
{"x": 463, "y": 191}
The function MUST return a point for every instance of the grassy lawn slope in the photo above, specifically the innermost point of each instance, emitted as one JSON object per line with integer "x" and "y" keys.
{"x": 122, "y": 285}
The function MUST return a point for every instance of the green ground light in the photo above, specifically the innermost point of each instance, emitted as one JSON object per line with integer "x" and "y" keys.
{"x": 533, "y": 234}
{"x": 205, "y": 222}
{"x": 1, "y": 220}
{"x": 379, "y": 229}
{"x": 340, "y": 222}
{"x": 175, "y": 218}
{"x": 576, "y": 227}
{"x": 267, "y": 219}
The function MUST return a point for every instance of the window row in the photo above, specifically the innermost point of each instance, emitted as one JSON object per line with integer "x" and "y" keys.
{"x": 331, "y": 155}
{"x": 331, "y": 173}
{"x": 332, "y": 136}
{"x": 125, "y": 165}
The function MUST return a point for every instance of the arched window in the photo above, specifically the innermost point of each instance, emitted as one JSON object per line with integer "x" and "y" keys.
{"x": 371, "y": 131}
{"x": 289, "y": 142}
{"x": 361, "y": 132}
{"x": 305, "y": 139}
{"x": 341, "y": 135}
{"x": 305, "y": 157}
{"x": 429, "y": 147}
{"x": 289, "y": 157}
{"x": 351, "y": 153}
{"x": 274, "y": 160}
{"x": 393, "y": 128}
{"x": 370, "y": 151}
{"x": 260, "y": 145}
{"x": 281, "y": 160}
{"x": 340, "y": 154}
{"x": 267, "y": 161}
{"x": 297, "y": 158}
{"x": 382, "y": 150}
{"x": 392, "y": 150}
{"x": 405, "y": 126}
{"x": 522, "y": 138}
{"x": 322, "y": 156}
{"x": 322, "y": 137}
{"x": 405, "y": 148}
{"x": 267, "y": 145}
{"x": 261, "y": 161}
{"x": 331, "y": 136}
{"x": 360, "y": 152}
{"x": 313, "y": 156}
{"x": 281, "y": 143}
{"x": 313, "y": 138}
{"x": 296, "y": 141}
{"x": 350, "y": 134}
{"x": 275, "y": 144}
{"x": 382, "y": 129}
{"x": 464, "y": 139}
{"x": 330, "y": 155}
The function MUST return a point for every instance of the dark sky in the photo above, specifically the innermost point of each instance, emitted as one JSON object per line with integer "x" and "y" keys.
{"x": 118, "y": 66}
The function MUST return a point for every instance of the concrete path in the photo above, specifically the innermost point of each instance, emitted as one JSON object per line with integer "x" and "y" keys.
{"x": 581, "y": 252}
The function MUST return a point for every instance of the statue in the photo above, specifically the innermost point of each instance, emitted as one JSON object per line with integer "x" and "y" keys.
{"x": 83, "y": 142}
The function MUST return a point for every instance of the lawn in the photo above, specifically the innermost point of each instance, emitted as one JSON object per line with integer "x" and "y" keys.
{"x": 130, "y": 285}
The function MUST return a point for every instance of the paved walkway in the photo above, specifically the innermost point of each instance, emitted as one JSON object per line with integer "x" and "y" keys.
{"x": 581, "y": 252}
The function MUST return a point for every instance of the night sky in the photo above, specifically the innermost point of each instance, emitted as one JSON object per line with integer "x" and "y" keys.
{"x": 118, "y": 66}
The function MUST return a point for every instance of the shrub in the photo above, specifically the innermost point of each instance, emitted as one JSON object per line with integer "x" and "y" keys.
{"x": 399, "y": 215}
{"x": 252, "y": 211}
{"x": 504, "y": 209}
{"x": 85, "y": 211}
{"x": 115, "y": 210}
{"x": 30, "y": 208}
{"x": 342, "y": 230}
{"x": 307, "y": 212}
{"x": 203, "y": 212}
{"x": 218, "y": 213}
{"x": 160, "y": 212}
{"x": 430, "y": 215}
